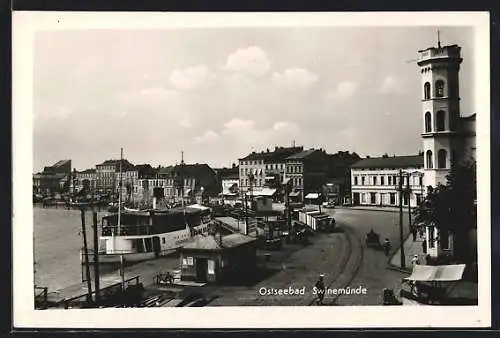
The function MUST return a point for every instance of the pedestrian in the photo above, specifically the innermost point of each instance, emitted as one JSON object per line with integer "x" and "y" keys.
{"x": 414, "y": 261}
{"x": 320, "y": 289}
{"x": 424, "y": 246}
{"x": 414, "y": 233}
{"x": 387, "y": 246}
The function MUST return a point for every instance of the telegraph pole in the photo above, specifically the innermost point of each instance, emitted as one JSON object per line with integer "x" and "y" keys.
{"x": 409, "y": 202}
{"x": 96, "y": 260}
{"x": 403, "y": 265}
{"x": 86, "y": 255}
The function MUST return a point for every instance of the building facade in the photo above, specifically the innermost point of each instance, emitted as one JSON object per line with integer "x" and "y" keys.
{"x": 375, "y": 181}
{"x": 107, "y": 174}
{"x": 261, "y": 169}
{"x": 307, "y": 172}
{"x": 86, "y": 180}
{"x": 448, "y": 137}
{"x": 53, "y": 179}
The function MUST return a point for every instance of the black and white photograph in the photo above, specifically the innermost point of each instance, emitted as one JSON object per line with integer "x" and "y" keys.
{"x": 238, "y": 169}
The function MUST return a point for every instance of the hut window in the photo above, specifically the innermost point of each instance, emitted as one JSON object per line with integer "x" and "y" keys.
{"x": 211, "y": 267}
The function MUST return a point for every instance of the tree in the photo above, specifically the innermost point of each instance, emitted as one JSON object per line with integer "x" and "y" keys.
{"x": 451, "y": 208}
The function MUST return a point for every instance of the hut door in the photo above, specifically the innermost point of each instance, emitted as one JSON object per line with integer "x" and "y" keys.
{"x": 201, "y": 270}
{"x": 156, "y": 246}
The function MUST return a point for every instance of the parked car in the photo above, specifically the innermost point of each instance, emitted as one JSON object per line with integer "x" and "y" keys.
{"x": 329, "y": 205}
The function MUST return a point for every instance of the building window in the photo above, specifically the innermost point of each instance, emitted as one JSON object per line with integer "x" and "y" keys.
{"x": 420, "y": 181}
{"x": 382, "y": 180}
{"x": 389, "y": 180}
{"x": 362, "y": 180}
{"x": 355, "y": 180}
{"x": 440, "y": 120}
{"x": 392, "y": 198}
{"x": 418, "y": 198}
{"x": 442, "y": 158}
{"x": 439, "y": 88}
{"x": 405, "y": 199}
{"x": 372, "y": 198}
{"x": 428, "y": 157}
{"x": 427, "y": 91}
{"x": 444, "y": 242}
{"x": 428, "y": 122}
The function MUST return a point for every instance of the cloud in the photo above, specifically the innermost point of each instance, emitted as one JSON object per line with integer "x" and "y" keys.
{"x": 344, "y": 90}
{"x": 207, "y": 137}
{"x": 191, "y": 77}
{"x": 286, "y": 127}
{"x": 238, "y": 126}
{"x": 391, "y": 86}
{"x": 252, "y": 60}
{"x": 156, "y": 97}
{"x": 295, "y": 79}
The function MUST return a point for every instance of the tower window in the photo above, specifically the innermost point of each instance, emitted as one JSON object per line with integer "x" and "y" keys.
{"x": 439, "y": 88}
{"x": 428, "y": 157}
{"x": 428, "y": 122}
{"x": 442, "y": 158}
{"x": 440, "y": 120}
{"x": 427, "y": 91}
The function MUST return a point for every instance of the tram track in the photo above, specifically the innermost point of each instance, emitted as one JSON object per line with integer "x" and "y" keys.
{"x": 354, "y": 259}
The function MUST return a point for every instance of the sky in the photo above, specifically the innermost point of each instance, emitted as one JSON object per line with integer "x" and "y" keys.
{"x": 219, "y": 93}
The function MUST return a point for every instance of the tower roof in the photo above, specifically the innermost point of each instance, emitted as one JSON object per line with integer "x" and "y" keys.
{"x": 440, "y": 53}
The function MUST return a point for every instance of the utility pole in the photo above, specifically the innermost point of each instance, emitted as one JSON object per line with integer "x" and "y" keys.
{"x": 96, "y": 261}
{"x": 403, "y": 265}
{"x": 246, "y": 214}
{"x": 86, "y": 255}
{"x": 409, "y": 202}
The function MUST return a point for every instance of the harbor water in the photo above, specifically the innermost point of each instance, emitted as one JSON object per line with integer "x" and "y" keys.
{"x": 57, "y": 242}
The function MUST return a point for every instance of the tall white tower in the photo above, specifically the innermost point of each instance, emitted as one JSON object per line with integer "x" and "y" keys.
{"x": 439, "y": 68}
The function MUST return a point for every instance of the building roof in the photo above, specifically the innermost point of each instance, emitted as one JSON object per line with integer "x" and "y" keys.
{"x": 212, "y": 243}
{"x": 470, "y": 117}
{"x": 53, "y": 176}
{"x": 61, "y": 163}
{"x": 87, "y": 171}
{"x": 126, "y": 165}
{"x": 302, "y": 154}
{"x": 279, "y": 154}
{"x": 391, "y": 162}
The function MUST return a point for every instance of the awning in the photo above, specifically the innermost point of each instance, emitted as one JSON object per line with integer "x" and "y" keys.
{"x": 294, "y": 194}
{"x": 270, "y": 177}
{"x": 229, "y": 193}
{"x": 285, "y": 181}
{"x": 312, "y": 196}
{"x": 187, "y": 192}
{"x": 438, "y": 273}
{"x": 263, "y": 192}
{"x": 198, "y": 206}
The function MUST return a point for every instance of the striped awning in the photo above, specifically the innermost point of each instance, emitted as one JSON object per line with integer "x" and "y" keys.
{"x": 312, "y": 196}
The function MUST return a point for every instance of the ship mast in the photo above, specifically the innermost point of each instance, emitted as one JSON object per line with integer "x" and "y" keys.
{"x": 120, "y": 192}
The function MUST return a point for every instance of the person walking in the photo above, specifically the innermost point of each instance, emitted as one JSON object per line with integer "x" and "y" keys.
{"x": 387, "y": 246}
{"x": 320, "y": 289}
{"x": 414, "y": 261}
{"x": 414, "y": 233}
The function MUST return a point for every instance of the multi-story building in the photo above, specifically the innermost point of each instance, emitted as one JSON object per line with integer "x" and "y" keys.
{"x": 107, "y": 174}
{"x": 448, "y": 138}
{"x": 338, "y": 186}
{"x": 375, "y": 181}
{"x": 185, "y": 181}
{"x": 53, "y": 179}
{"x": 86, "y": 180}
{"x": 307, "y": 172}
{"x": 265, "y": 168}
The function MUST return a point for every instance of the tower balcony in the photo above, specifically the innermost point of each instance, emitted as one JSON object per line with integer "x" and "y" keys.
{"x": 448, "y": 53}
